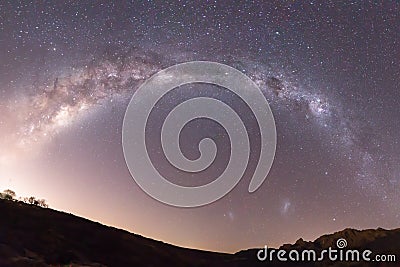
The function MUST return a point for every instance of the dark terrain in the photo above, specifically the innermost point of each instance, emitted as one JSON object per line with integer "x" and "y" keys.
{"x": 34, "y": 236}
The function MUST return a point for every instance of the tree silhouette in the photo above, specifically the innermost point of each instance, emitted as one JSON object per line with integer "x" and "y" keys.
{"x": 31, "y": 200}
{"x": 42, "y": 203}
{"x": 8, "y": 194}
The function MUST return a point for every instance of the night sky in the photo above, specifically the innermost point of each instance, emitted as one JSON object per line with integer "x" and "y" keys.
{"x": 330, "y": 72}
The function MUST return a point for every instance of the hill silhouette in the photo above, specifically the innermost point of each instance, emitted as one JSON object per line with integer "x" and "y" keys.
{"x": 35, "y": 236}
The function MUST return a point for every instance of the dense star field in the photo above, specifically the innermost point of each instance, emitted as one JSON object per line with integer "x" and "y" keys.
{"x": 330, "y": 72}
